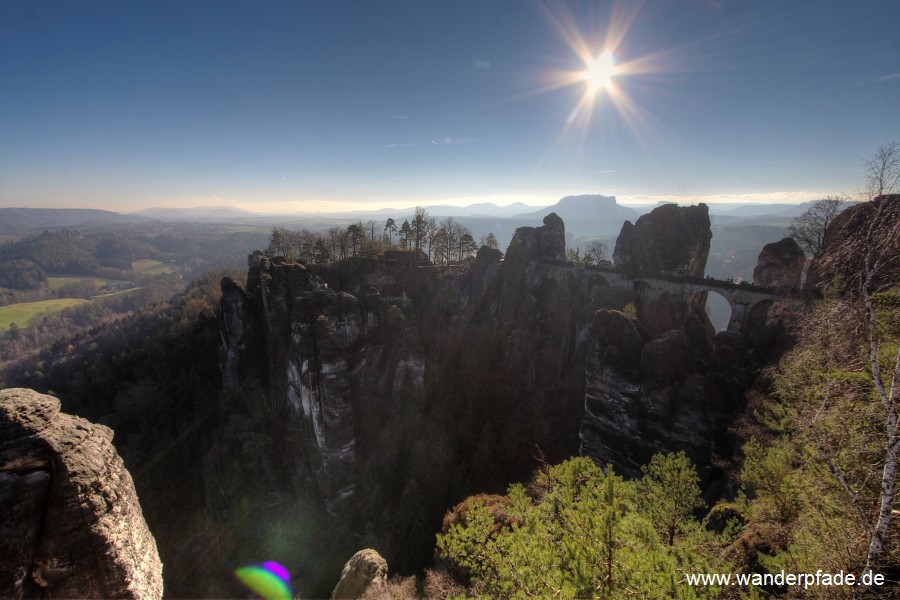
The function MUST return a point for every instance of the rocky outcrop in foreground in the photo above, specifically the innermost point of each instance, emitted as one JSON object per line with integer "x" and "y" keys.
{"x": 70, "y": 522}
{"x": 780, "y": 266}
{"x": 841, "y": 258}
{"x": 366, "y": 568}
{"x": 670, "y": 240}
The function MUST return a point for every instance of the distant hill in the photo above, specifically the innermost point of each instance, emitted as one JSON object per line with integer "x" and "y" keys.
{"x": 209, "y": 214}
{"x": 755, "y": 210}
{"x": 22, "y": 221}
{"x": 201, "y": 214}
{"x": 481, "y": 209}
{"x": 587, "y": 215}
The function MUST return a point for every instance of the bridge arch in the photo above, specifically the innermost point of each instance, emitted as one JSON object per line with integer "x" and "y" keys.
{"x": 598, "y": 287}
{"x": 757, "y": 314}
{"x": 641, "y": 287}
{"x": 718, "y": 309}
{"x": 758, "y": 307}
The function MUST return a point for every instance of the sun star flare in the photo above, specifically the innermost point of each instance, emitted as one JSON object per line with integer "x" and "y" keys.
{"x": 600, "y": 72}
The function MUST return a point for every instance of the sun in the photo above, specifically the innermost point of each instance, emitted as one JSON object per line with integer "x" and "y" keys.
{"x": 600, "y": 72}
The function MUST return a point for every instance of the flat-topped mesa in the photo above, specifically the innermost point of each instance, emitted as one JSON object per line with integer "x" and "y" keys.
{"x": 547, "y": 241}
{"x": 670, "y": 240}
{"x": 70, "y": 522}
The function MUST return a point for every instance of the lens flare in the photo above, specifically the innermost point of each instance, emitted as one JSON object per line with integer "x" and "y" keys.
{"x": 277, "y": 569}
{"x": 608, "y": 76}
{"x": 269, "y": 581}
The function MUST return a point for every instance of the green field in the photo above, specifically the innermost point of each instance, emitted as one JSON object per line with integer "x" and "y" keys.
{"x": 22, "y": 313}
{"x": 57, "y": 283}
{"x": 152, "y": 267}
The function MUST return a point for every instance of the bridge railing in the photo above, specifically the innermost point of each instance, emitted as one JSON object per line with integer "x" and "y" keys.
{"x": 703, "y": 281}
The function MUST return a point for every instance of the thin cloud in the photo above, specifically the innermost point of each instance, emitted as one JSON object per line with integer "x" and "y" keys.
{"x": 397, "y": 117}
{"x": 482, "y": 64}
{"x": 449, "y": 141}
{"x": 434, "y": 142}
{"x": 890, "y": 77}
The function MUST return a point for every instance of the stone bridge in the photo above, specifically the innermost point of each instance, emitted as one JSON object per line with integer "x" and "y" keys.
{"x": 742, "y": 298}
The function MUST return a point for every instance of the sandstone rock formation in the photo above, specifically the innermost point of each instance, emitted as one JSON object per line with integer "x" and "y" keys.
{"x": 547, "y": 241}
{"x": 70, "y": 524}
{"x": 366, "y": 568}
{"x": 322, "y": 343}
{"x": 780, "y": 266}
{"x": 670, "y": 241}
{"x": 843, "y": 251}
{"x": 678, "y": 391}
{"x": 301, "y": 339}
{"x": 376, "y": 377}
{"x": 232, "y": 329}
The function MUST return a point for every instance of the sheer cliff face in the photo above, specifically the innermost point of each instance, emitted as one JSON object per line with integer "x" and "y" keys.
{"x": 70, "y": 522}
{"x": 302, "y": 344}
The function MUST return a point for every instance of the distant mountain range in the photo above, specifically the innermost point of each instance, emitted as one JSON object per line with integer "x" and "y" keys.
{"x": 226, "y": 213}
{"x": 585, "y": 215}
{"x": 199, "y": 213}
{"x": 22, "y": 221}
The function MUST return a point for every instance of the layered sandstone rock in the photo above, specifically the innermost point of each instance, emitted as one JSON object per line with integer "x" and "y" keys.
{"x": 670, "y": 241}
{"x": 70, "y": 524}
{"x": 780, "y": 266}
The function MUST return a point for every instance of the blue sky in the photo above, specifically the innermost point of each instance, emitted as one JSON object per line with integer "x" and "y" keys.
{"x": 342, "y": 105}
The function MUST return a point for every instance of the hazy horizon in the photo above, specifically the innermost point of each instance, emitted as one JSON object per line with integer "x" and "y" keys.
{"x": 345, "y": 106}
{"x": 780, "y": 198}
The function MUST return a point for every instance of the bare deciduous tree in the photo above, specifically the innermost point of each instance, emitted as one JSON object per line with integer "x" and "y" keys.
{"x": 883, "y": 170}
{"x": 596, "y": 250}
{"x": 489, "y": 240}
{"x": 808, "y": 230}
{"x": 877, "y": 246}
{"x": 418, "y": 226}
